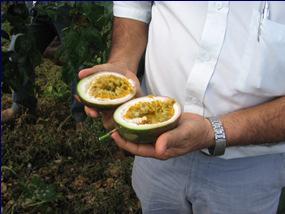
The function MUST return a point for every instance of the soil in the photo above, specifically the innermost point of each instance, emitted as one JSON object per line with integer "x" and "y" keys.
{"x": 49, "y": 167}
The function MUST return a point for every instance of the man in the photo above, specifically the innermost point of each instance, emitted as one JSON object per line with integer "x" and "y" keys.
{"x": 222, "y": 59}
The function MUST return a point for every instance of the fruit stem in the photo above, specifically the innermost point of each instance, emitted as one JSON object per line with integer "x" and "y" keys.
{"x": 107, "y": 135}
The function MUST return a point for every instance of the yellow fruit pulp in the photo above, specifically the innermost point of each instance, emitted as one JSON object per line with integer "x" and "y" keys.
{"x": 152, "y": 112}
{"x": 110, "y": 87}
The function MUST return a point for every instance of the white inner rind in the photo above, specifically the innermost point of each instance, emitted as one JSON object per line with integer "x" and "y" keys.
{"x": 121, "y": 111}
{"x": 84, "y": 85}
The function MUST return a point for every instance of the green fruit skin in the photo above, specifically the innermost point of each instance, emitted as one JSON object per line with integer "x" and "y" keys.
{"x": 144, "y": 136}
{"x": 98, "y": 106}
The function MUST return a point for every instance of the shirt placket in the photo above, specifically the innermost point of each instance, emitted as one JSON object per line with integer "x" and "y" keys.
{"x": 211, "y": 43}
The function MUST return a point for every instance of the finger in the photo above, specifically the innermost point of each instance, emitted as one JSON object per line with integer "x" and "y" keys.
{"x": 108, "y": 121}
{"x": 91, "y": 112}
{"x": 139, "y": 92}
{"x": 168, "y": 140}
{"x": 161, "y": 144}
{"x": 88, "y": 71}
{"x": 145, "y": 150}
{"x": 133, "y": 76}
{"x": 109, "y": 124}
{"x": 77, "y": 98}
{"x": 107, "y": 114}
{"x": 107, "y": 118}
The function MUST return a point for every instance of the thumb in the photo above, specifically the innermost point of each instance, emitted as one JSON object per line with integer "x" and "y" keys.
{"x": 166, "y": 141}
{"x": 87, "y": 71}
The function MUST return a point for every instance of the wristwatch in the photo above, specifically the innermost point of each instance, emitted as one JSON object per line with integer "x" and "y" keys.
{"x": 220, "y": 137}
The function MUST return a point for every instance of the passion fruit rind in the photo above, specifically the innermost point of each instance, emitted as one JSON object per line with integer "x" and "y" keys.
{"x": 84, "y": 85}
{"x": 144, "y": 133}
{"x": 98, "y": 106}
{"x": 144, "y": 136}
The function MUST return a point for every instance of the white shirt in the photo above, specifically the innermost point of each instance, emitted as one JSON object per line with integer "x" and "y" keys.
{"x": 211, "y": 58}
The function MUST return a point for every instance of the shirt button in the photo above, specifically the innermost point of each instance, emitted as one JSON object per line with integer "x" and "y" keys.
{"x": 219, "y": 5}
{"x": 193, "y": 100}
{"x": 205, "y": 57}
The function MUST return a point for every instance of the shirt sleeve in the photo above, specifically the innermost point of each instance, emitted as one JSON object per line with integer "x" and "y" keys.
{"x": 138, "y": 10}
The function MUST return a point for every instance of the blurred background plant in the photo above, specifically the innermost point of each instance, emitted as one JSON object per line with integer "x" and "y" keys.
{"x": 87, "y": 39}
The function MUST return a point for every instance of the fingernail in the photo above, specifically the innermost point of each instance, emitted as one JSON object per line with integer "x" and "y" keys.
{"x": 94, "y": 114}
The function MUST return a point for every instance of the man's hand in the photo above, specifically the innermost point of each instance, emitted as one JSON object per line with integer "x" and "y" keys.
{"x": 192, "y": 133}
{"x": 128, "y": 44}
{"x": 107, "y": 115}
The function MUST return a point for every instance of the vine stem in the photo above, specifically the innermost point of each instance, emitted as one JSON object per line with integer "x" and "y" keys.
{"x": 9, "y": 169}
{"x": 107, "y": 135}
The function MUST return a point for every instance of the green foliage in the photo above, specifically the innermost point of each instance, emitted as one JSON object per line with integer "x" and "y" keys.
{"x": 87, "y": 38}
{"x": 58, "y": 92}
{"x": 17, "y": 14}
{"x": 5, "y": 36}
{"x": 36, "y": 192}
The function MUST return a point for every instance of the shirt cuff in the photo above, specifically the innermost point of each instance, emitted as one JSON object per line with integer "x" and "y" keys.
{"x": 140, "y": 10}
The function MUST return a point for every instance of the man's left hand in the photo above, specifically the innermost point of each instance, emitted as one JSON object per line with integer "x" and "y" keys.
{"x": 193, "y": 133}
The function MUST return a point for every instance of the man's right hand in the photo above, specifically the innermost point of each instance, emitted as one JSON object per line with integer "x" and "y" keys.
{"x": 107, "y": 115}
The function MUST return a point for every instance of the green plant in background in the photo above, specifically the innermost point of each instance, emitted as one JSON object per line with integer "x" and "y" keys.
{"x": 86, "y": 39}
{"x": 38, "y": 193}
{"x": 34, "y": 193}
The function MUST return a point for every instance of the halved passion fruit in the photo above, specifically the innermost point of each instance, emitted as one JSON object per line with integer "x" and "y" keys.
{"x": 143, "y": 119}
{"x": 105, "y": 90}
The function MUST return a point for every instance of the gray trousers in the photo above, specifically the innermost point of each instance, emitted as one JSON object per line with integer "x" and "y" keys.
{"x": 196, "y": 183}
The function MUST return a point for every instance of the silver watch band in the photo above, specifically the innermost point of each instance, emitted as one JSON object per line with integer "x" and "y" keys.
{"x": 220, "y": 137}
